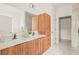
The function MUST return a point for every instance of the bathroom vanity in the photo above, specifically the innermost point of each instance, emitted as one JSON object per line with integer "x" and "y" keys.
{"x": 33, "y": 45}
{"x": 26, "y": 46}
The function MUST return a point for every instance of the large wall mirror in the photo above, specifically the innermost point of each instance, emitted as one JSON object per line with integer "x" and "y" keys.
{"x": 28, "y": 20}
{"x": 5, "y": 24}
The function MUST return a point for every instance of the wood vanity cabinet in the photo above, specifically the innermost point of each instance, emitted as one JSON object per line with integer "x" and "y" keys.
{"x": 42, "y": 24}
{"x": 34, "y": 47}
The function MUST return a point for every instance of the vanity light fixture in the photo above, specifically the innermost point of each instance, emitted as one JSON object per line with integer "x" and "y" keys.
{"x": 32, "y": 5}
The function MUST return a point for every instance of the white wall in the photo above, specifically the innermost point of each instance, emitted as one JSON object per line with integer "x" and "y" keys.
{"x": 75, "y": 25}
{"x": 16, "y": 15}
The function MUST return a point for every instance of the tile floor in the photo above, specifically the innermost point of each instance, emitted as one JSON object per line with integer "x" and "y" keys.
{"x": 64, "y": 48}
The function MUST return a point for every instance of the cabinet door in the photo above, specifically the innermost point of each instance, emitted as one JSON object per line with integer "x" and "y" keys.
{"x": 47, "y": 24}
{"x": 41, "y": 25}
{"x": 41, "y": 45}
{"x": 31, "y": 47}
{"x": 15, "y": 50}
{"x": 0, "y": 52}
{"x": 19, "y": 49}
{"x": 35, "y": 23}
{"x": 25, "y": 48}
{"x": 5, "y": 51}
{"x": 38, "y": 47}
{"x": 44, "y": 24}
{"x": 28, "y": 48}
{"x": 8, "y": 51}
{"x": 45, "y": 44}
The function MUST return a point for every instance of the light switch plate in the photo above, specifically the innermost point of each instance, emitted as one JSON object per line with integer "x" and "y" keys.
{"x": 78, "y": 31}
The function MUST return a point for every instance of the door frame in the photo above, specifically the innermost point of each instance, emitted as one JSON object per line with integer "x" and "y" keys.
{"x": 65, "y": 17}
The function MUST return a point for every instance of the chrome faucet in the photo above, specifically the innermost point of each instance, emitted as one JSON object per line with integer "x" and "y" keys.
{"x": 14, "y": 36}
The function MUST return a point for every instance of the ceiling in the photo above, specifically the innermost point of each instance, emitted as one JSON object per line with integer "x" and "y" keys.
{"x": 25, "y": 5}
{"x": 60, "y": 4}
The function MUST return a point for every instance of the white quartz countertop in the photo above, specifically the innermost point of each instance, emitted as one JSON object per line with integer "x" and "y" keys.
{"x": 14, "y": 42}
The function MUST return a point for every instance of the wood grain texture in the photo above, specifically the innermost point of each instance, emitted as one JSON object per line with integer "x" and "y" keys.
{"x": 8, "y": 51}
{"x": 44, "y": 24}
{"x": 41, "y": 23}
{"x": 34, "y": 47}
{"x": 0, "y": 52}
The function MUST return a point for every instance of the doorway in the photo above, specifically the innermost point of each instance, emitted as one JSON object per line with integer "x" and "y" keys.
{"x": 65, "y": 30}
